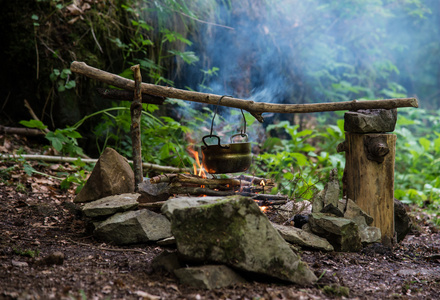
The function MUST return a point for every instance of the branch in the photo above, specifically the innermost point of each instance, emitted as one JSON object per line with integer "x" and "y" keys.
{"x": 31, "y": 112}
{"x": 255, "y": 108}
{"x": 50, "y": 158}
{"x": 21, "y": 131}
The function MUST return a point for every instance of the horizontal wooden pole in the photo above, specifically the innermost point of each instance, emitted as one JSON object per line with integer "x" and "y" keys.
{"x": 255, "y": 108}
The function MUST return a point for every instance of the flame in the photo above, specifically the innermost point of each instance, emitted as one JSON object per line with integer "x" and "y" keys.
{"x": 263, "y": 208}
{"x": 197, "y": 166}
{"x": 262, "y": 183}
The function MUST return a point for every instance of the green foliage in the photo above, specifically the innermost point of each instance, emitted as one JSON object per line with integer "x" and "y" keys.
{"x": 300, "y": 160}
{"x": 417, "y": 171}
{"x": 62, "y": 79}
{"x": 164, "y": 140}
{"x": 79, "y": 177}
{"x": 27, "y": 252}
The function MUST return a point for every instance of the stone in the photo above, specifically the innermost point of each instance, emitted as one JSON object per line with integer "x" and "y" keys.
{"x": 110, "y": 205}
{"x": 132, "y": 227}
{"x": 352, "y": 210}
{"x": 329, "y": 195}
{"x": 234, "y": 231}
{"x": 402, "y": 221}
{"x": 185, "y": 202}
{"x": 368, "y": 234}
{"x": 342, "y": 233}
{"x": 300, "y": 220}
{"x": 111, "y": 175}
{"x": 370, "y": 120}
{"x": 208, "y": 277}
{"x": 292, "y": 208}
{"x": 332, "y": 210}
{"x": 302, "y": 238}
{"x": 153, "y": 192}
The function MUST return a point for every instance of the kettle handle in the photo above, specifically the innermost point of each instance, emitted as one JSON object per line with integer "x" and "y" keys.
{"x": 213, "y": 136}
{"x": 240, "y": 134}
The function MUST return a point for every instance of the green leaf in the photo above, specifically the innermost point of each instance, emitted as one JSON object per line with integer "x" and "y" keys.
{"x": 65, "y": 73}
{"x": 71, "y": 84}
{"x": 189, "y": 57}
{"x": 34, "y": 124}
{"x": 426, "y": 144}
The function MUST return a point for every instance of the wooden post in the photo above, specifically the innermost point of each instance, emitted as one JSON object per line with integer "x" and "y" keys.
{"x": 136, "y": 112}
{"x": 370, "y": 177}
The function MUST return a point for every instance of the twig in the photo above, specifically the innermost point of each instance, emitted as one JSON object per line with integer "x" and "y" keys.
{"x": 50, "y": 158}
{"x": 96, "y": 41}
{"x": 34, "y": 116}
{"x": 107, "y": 249}
{"x": 162, "y": 178}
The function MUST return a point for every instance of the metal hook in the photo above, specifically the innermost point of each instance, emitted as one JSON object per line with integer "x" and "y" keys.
{"x": 215, "y": 112}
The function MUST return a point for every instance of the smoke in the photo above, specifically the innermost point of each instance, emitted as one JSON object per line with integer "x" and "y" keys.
{"x": 321, "y": 51}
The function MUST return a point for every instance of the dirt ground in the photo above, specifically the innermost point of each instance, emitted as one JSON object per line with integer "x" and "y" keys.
{"x": 46, "y": 253}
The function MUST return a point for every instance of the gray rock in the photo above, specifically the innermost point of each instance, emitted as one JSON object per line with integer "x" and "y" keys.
{"x": 292, "y": 208}
{"x": 368, "y": 234}
{"x": 342, "y": 233}
{"x": 402, "y": 222}
{"x": 111, "y": 175}
{"x": 352, "y": 210}
{"x": 329, "y": 195}
{"x": 134, "y": 227}
{"x": 185, "y": 202}
{"x": 209, "y": 276}
{"x": 370, "y": 120}
{"x": 333, "y": 210}
{"x": 110, "y": 205}
{"x": 303, "y": 238}
{"x": 153, "y": 192}
{"x": 235, "y": 232}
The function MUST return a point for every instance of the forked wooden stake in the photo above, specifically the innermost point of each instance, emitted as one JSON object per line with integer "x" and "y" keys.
{"x": 136, "y": 111}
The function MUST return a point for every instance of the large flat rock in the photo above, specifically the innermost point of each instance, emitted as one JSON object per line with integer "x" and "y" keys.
{"x": 110, "y": 205}
{"x": 303, "y": 238}
{"x": 134, "y": 227}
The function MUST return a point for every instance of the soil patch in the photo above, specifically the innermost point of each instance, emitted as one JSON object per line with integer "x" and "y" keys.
{"x": 38, "y": 219}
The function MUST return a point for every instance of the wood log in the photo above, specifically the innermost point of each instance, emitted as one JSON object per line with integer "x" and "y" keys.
{"x": 370, "y": 177}
{"x": 255, "y": 108}
{"x": 231, "y": 182}
{"x": 21, "y": 131}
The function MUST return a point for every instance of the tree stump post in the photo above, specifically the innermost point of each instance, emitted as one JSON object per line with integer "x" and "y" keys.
{"x": 369, "y": 169}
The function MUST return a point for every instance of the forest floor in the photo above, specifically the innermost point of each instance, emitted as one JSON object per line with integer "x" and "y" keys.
{"x": 38, "y": 219}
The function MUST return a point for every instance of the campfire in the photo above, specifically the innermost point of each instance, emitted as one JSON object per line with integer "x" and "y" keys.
{"x": 201, "y": 183}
